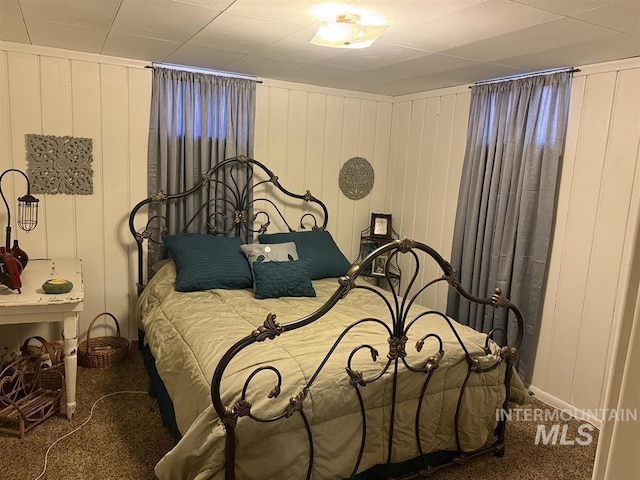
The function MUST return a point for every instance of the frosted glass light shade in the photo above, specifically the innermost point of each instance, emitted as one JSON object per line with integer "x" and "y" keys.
{"x": 347, "y": 32}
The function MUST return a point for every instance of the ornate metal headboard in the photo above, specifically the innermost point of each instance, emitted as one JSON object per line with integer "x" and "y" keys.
{"x": 237, "y": 197}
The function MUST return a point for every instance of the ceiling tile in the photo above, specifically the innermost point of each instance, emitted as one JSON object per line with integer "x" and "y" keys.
{"x": 562, "y": 32}
{"x": 361, "y": 84}
{"x": 623, "y": 16}
{"x": 217, "y": 4}
{"x": 12, "y": 27}
{"x": 71, "y": 37}
{"x": 142, "y": 48}
{"x": 378, "y": 55}
{"x": 296, "y": 47}
{"x": 460, "y": 76}
{"x": 595, "y": 51}
{"x": 322, "y": 76}
{"x": 239, "y": 33}
{"x": 408, "y": 12}
{"x": 297, "y": 12}
{"x": 70, "y": 24}
{"x": 263, "y": 67}
{"x": 74, "y": 12}
{"x": 485, "y": 20}
{"x": 567, "y": 7}
{"x": 162, "y": 19}
{"x": 429, "y": 64}
{"x": 204, "y": 57}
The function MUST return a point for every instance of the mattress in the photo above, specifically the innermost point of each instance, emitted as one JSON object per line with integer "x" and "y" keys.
{"x": 188, "y": 333}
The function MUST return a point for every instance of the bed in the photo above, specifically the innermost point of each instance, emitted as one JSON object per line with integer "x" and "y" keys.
{"x": 287, "y": 364}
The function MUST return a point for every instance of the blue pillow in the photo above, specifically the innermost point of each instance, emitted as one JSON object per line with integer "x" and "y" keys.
{"x": 318, "y": 247}
{"x": 283, "y": 279}
{"x": 207, "y": 261}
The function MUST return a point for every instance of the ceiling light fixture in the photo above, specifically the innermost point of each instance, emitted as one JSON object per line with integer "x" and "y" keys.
{"x": 347, "y": 30}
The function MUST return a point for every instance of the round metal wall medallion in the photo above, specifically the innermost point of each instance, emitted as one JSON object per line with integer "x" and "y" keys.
{"x": 356, "y": 178}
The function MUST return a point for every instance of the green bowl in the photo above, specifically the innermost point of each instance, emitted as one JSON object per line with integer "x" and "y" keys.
{"x": 57, "y": 285}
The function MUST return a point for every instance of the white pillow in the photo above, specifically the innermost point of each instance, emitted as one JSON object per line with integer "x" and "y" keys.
{"x": 277, "y": 252}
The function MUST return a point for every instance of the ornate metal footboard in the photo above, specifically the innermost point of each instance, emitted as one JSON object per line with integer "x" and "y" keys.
{"x": 398, "y": 324}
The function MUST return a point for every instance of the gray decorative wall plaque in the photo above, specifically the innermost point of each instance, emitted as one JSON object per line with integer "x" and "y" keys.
{"x": 60, "y": 164}
{"x": 356, "y": 178}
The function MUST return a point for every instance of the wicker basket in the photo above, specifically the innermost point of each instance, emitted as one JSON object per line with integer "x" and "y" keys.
{"x": 102, "y": 352}
{"x": 51, "y": 377}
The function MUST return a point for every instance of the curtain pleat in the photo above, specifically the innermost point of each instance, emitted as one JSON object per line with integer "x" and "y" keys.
{"x": 507, "y": 201}
{"x": 197, "y": 120}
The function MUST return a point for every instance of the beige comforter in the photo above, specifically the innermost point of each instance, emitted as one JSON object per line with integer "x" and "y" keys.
{"x": 189, "y": 332}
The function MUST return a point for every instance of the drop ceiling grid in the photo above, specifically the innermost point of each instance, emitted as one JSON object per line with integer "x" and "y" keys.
{"x": 430, "y": 44}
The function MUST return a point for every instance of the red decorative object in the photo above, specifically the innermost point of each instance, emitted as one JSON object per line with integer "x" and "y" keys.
{"x": 10, "y": 270}
{"x": 19, "y": 254}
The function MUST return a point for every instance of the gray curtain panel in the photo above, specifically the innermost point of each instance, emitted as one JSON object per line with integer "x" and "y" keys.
{"x": 197, "y": 121}
{"x": 507, "y": 200}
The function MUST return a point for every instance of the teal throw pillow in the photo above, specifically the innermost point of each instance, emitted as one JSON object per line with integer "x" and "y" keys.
{"x": 207, "y": 261}
{"x": 277, "y": 252}
{"x": 318, "y": 247}
{"x": 283, "y": 279}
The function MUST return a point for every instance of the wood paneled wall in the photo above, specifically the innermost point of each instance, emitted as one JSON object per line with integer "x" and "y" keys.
{"x": 598, "y": 203}
{"x": 416, "y": 145}
{"x": 109, "y": 103}
{"x": 427, "y": 152}
{"x": 305, "y": 134}
{"x": 598, "y": 206}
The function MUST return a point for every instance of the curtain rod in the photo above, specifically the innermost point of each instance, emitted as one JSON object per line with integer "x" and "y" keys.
{"x": 526, "y": 75}
{"x": 219, "y": 73}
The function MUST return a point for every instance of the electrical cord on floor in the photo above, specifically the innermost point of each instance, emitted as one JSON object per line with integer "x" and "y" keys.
{"x": 46, "y": 455}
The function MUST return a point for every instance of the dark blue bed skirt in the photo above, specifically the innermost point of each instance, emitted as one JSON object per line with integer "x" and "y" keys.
{"x": 158, "y": 391}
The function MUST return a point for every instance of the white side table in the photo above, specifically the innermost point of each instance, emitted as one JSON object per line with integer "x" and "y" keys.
{"x": 33, "y": 305}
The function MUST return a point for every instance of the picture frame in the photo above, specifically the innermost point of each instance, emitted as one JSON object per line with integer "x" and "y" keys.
{"x": 381, "y": 225}
{"x": 379, "y": 265}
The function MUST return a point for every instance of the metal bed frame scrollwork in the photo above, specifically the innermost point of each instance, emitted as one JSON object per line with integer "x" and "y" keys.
{"x": 232, "y": 213}
{"x": 398, "y": 326}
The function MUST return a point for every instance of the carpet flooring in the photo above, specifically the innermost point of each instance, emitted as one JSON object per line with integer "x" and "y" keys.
{"x": 124, "y": 439}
